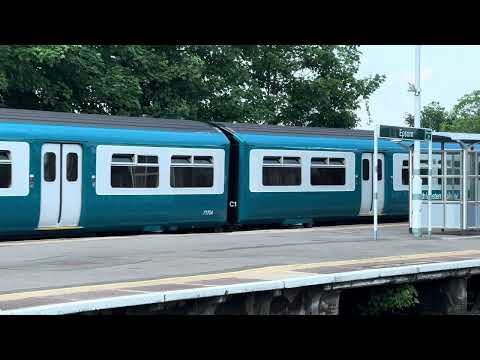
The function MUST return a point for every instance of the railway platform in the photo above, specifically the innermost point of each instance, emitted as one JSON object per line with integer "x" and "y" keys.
{"x": 77, "y": 275}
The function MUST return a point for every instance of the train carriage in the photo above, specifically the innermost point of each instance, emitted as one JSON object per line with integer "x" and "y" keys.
{"x": 72, "y": 173}
{"x": 303, "y": 175}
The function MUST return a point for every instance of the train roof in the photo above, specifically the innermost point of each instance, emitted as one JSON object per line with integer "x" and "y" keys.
{"x": 103, "y": 121}
{"x": 244, "y": 128}
{"x": 257, "y": 129}
{"x": 8, "y": 115}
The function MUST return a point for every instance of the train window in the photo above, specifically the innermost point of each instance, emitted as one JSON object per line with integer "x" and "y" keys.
{"x": 122, "y": 176}
{"x": 205, "y": 160}
{"x": 143, "y": 159}
{"x": 134, "y": 171}
{"x": 5, "y": 175}
{"x": 4, "y": 155}
{"x": 405, "y": 173}
{"x": 72, "y": 167}
{"x": 319, "y": 161}
{"x": 123, "y": 158}
{"x": 281, "y": 171}
{"x": 5, "y": 169}
{"x": 49, "y": 166}
{"x": 281, "y": 176}
{"x": 328, "y": 171}
{"x": 291, "y": 161}
{"x": 366, "y": 169}
{"x": 327, "y": 176}
{"x": 336, "y": 161}
{"x": 181, "y": 177}
{"x": 181, "y": 159}
{"x": 405, "y": 177}
{"x": 185, "y": 174}
{"x": 146, "y": 177}
{"x": 379, "y": 169}
{"x": 267, "y": 160}
{"x": 400, "y": 172}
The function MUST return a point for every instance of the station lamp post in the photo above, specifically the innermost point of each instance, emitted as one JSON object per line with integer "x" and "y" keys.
{"x": 416, "y": 181}
{"x": 417, "y": 134}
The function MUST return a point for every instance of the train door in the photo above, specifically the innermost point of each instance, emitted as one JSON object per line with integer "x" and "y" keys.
{"x": 366, "y": 207}
{"x": 61, "y": 185}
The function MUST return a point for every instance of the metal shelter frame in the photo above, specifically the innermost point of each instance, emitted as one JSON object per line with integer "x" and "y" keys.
{"x": 456, "y": 178}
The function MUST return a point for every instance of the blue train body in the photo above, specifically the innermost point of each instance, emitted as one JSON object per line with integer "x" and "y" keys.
{"x": 69, "y": 173}
{"x": 308, "y": 207}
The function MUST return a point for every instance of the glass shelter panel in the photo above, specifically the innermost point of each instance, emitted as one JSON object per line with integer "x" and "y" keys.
{"x": 455, "y": 183}
{"x": 454, "y": 163}
{"x": 437, "y": 188}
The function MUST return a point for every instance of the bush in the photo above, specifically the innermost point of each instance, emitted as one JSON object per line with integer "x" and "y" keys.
{"x": 390, "y": 300}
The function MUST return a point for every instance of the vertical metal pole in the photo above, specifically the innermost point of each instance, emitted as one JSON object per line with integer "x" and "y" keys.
{"x": 464, "y": 196}
{"x": 444, "y": 185}
{"x": 410, "y": 157}
{"x": 417, "y": 182}
{"x": 430, "y": 189}
{"x": 375, "y": 185}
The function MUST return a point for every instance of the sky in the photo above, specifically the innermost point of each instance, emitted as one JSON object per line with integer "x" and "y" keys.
{"x": 446, "y": 73}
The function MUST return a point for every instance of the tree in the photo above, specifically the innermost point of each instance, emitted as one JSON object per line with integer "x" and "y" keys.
{"x": 465, "y": 114}
{"x": 432, "y": 116}
{"x": 127, "y": 80}
{"x": 290, "y": 85}
{"x": 66, "y": 78}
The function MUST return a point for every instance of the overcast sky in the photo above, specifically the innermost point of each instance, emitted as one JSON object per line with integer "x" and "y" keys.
{"x": 447, "y": 73}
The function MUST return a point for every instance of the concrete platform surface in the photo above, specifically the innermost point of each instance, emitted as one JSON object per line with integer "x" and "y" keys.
{"x": 44, "y": 272}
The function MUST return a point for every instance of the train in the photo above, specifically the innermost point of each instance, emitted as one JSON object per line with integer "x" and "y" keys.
{"x": 68, "y": 173}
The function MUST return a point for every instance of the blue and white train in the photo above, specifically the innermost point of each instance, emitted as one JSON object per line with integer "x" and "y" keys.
{"x": 77, "y": 173}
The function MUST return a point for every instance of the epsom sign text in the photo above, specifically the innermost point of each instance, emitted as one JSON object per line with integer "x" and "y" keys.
{"x": 405, "y": 133}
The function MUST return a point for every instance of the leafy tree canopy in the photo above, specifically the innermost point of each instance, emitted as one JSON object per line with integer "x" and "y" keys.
{"x": 291, "y": 85}
{"x": 465, "y": 114}
{"x": 464, "y": 117}
{"x": 432, "y": 116}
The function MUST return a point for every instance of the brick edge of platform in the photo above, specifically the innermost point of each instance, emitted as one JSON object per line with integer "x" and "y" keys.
{"x": 342, "y": 279}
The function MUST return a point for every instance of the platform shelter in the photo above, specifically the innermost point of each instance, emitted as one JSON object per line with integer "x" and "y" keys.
{"x": 455, "y": 176}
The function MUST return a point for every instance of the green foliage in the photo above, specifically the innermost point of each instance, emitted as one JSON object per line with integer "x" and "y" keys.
{"x": 465, "y": 114}
{"x": 464, "y": 117}
{"x": 432, "y": 116}
{"x": 390, "y": 300}
{"x": 305, "y": 85}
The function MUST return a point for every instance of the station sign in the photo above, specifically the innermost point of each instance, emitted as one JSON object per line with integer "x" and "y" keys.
{"x": 436, "y": 194}
{"x": 405, "y": 133}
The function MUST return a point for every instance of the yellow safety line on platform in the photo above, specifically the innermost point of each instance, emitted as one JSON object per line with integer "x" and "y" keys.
{"x": 255, "y": 273}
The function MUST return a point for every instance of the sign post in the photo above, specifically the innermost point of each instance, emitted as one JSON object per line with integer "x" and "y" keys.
{"x": 375, "y": 180}
{"x": 405, "y": 133}
{"x": 430, "y": 188}
{"x": 416, "y": 180}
